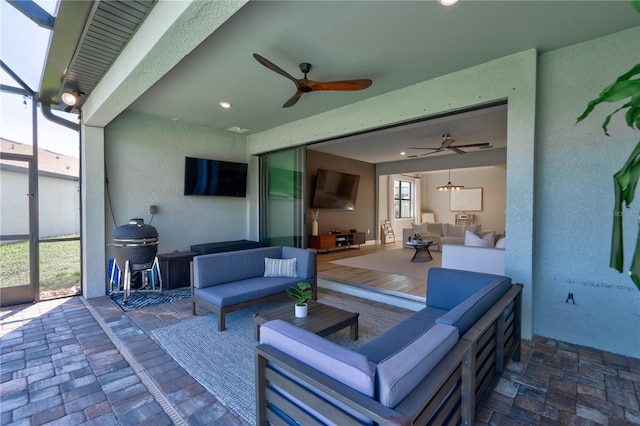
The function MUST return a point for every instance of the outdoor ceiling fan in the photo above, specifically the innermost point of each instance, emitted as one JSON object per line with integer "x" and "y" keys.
{"x": 304, "y": 85}
{"x": 447, "y": 144}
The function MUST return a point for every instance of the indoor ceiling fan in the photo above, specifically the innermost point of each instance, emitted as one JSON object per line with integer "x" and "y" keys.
{"x": 304, "y": 85}
{"x": 447, "y": 144}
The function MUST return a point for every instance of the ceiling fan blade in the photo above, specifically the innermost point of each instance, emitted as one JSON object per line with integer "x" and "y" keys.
{"x": 473, "y": 145}
{"x": 455, "y": 149}
{"x": 292, "y": 101}
{"x": 447, "y": 142}
{"x": 338, "y": 85}
{"x": 274, "y": 67}
{"x": 416, "y": 147}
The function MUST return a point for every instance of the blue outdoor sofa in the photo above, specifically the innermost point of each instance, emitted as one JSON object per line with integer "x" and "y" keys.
{"x": 431, "y": 368}
{"x": 226, "y": 282}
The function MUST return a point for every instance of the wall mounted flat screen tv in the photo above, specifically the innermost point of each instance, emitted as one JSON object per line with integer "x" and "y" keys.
{"x": 213, "y": 177}
{"x": 335, "y": 190}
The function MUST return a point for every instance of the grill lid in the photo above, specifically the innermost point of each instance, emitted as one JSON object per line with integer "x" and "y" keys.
{"x": 135, "y": 232}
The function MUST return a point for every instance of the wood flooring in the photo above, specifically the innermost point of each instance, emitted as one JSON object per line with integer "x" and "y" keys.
{"x": 379, "y": 280}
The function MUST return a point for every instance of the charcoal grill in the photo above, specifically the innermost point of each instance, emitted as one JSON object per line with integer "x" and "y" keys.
{"x": 135, "y": 246}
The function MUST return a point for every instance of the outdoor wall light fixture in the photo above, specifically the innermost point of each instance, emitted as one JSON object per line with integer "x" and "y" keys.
{"x": 71, "y": 98}
{"x": 449, "y": 186}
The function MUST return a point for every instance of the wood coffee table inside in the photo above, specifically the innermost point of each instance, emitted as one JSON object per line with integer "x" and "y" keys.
{"x": 321, "y": 319}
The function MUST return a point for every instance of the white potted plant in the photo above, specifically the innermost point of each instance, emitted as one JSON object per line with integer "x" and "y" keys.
{"x": 301, "y": 292}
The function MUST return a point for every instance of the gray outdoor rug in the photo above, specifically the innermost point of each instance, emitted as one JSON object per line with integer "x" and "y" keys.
{"x": 223, "y": 362}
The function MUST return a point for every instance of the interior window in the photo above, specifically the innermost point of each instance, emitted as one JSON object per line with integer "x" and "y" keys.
{"x": 402, "y": 199}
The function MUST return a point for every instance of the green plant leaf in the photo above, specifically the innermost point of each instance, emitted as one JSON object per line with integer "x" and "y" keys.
{"x": 613, "y": 92}
{"x": 620, "y": 90}
{"x": 635, "y": 4}
{"x": 625, "y": 184}
{"x": 634, "y": 271}
{"x": 633, "y": 115}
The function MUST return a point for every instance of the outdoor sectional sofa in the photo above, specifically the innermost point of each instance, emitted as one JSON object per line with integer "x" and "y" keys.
{"x": 431, "y": 368}
{"x": 226, "y": 282}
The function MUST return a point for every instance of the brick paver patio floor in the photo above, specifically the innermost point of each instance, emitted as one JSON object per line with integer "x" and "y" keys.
{"x": 72, "y": 361}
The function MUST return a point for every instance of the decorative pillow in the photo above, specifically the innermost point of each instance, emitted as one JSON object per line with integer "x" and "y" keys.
{"x": 435, "y": 229}
{"x": 501, "y": 243}
{"x": 455, "y": 231}
{"x": 420, "y": 229}
{"x": 473, "y": 228}
{"x": 471, "y": 239}
{"x": 280, "y": 267}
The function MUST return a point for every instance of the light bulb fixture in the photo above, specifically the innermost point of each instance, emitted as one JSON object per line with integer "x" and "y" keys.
{"x": 225, "y": 105}
{"x": 448, "y": 2}
{"x": 449, "y": 186}
{"x": 71, "y": 98}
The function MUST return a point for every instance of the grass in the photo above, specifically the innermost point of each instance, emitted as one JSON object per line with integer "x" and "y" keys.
{"x": 59, "y": 266}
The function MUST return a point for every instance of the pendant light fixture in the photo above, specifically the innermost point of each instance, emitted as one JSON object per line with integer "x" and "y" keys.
{"x": 449, "y": 186}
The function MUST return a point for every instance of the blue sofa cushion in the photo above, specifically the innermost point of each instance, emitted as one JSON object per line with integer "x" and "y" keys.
{"x": 468, "y": 312}
{"x": 305, "y": 261}
{"x": 429, "y": 314}
{"x": 220, "y": 268}
{"x": 341, "y": 364}
{"x": 394, "y": 339}
{"x": 399, "y": 374}
{"x": 243, "y": 291}
{"x": 447, "y": 288}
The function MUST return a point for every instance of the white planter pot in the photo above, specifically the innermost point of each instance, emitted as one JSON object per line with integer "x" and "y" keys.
{"x": 301, "y": 311}
{"x": 314, "y": 228}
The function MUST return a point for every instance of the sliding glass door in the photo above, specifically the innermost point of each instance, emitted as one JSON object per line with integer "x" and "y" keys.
{"x": 282, "y": 198}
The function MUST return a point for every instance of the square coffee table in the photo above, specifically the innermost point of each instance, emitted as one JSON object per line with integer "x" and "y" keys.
{"x": 321, "y": 319}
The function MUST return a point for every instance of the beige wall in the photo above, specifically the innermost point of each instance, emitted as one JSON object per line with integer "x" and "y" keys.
{"x": 363, "y": 217}
{"x": 492, "y": 180}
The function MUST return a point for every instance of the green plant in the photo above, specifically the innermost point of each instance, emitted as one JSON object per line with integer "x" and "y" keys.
{"x": 301, "y": 292}
{"x": 626, "y": 87}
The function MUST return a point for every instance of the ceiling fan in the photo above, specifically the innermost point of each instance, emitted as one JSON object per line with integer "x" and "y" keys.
{"x": 447, "y": 144}
{"x": 304, "y": 85}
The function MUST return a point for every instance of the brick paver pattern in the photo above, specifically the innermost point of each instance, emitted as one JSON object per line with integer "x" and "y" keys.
{"x": 59, "y": 367}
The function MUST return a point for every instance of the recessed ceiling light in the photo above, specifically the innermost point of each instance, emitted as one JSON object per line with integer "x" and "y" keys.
{"x": 236, "y": 129}
{"x": 448, "y": 2}
{"x": 403, "y": 153}
{"x": 225, "y": 105}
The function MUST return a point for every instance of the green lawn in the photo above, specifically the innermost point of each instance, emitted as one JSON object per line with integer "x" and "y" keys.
{"x": 59, "y": 266}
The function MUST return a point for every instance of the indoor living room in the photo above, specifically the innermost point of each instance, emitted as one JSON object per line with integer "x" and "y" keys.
{"x": 474, "y": 168}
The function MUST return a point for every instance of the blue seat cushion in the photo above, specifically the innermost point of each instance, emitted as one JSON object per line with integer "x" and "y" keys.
{"x": 447, "y": 288}
{"x": 429, "y": 314}
{"x": 341, "y": 364}
{"x": 471, "y": 310}
{"x": 221, "y": 268}
{"x": 394, "y": 339}
{"x": 245, "y": 290}
{"x": 400, "y": 373}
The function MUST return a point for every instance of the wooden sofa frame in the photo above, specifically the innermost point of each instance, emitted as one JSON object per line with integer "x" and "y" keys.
{"x": 451, "y": 394}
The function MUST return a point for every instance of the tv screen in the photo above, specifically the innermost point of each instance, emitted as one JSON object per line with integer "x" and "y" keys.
{"x": 213, "y": 177}
{"x": 335, "y": 190}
